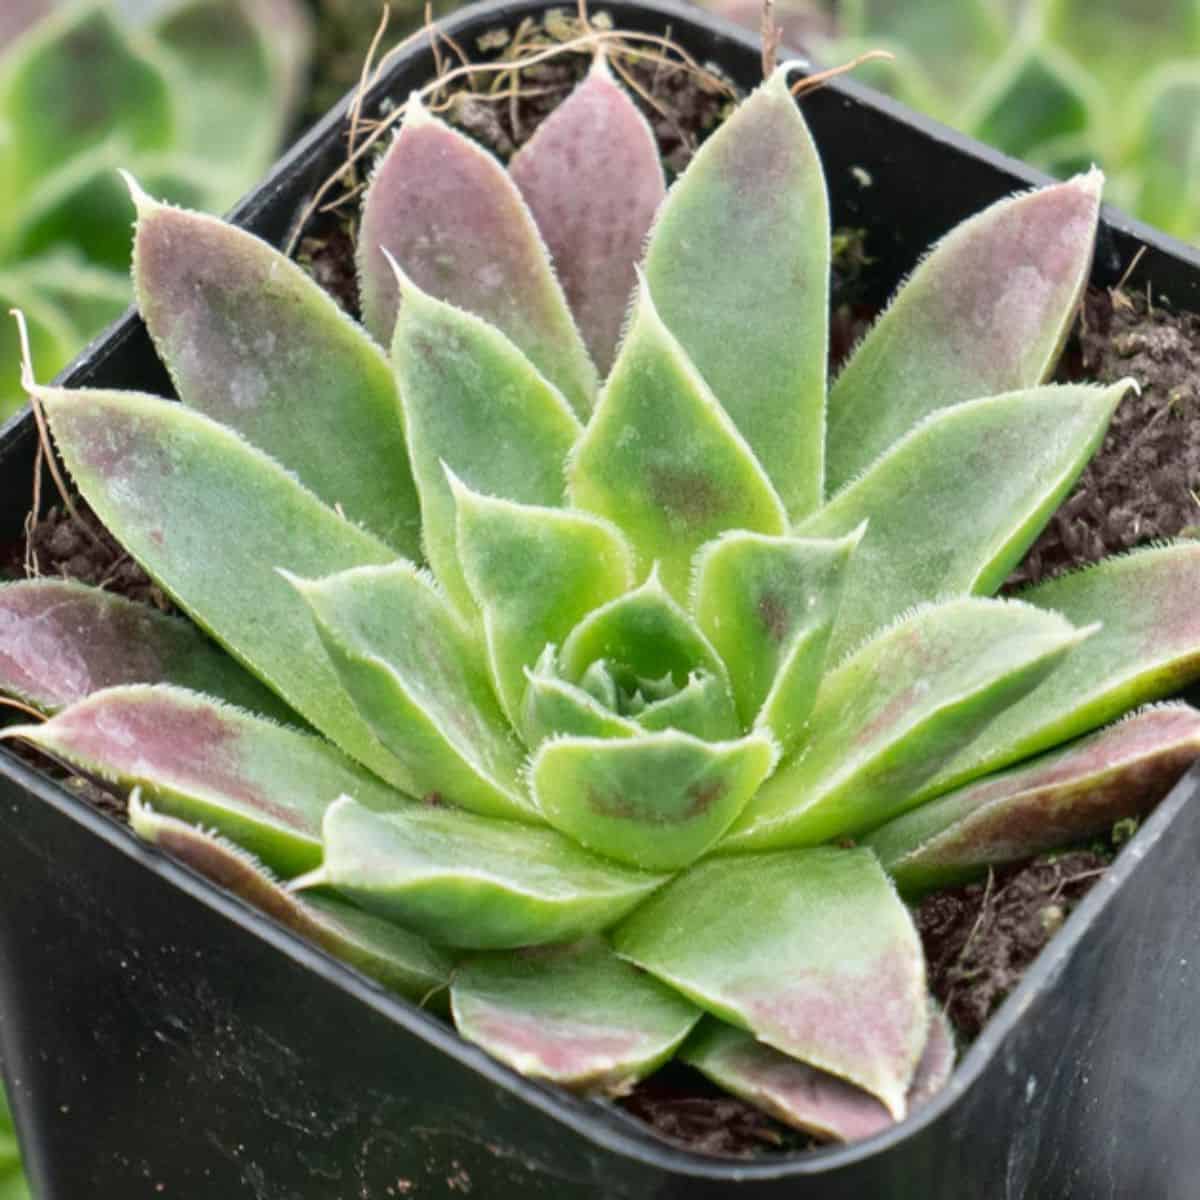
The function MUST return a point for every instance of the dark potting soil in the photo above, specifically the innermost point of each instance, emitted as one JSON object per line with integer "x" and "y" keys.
{"x": 980, "y": 938}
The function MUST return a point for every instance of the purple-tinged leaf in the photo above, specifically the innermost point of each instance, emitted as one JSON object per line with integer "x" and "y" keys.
{"x": 662, "y": 460}
{"x": 954, "y": 505}
{"x": 592, "y": 178}
{"x": 738, "y": 263}
{"x": 416, "y": 674}
{"x": 211, "y": 518}
{"x": 768, "y": 605}
{"x": 473, "y": 882}
{"x": 535, "y": 573}
{"x": 987, "y": 312}
{"x": 657, "y": 801}
{"x": 263, "y": 786}
{"x": 810, "y": 950}
{"x": 394, "y": 957}
{"x": 448, "y": 213}
{"x": 802, "y": 1096}
{"x": 473, "y": 403}
{"x": 1147, "y": 648}
{"x": 251, "y": 341}
{"x": 1062, "y": 797}
{"x": 575, "y": 1015}
{"x": 61, "y": 641}
{"x": 889, "y": 716}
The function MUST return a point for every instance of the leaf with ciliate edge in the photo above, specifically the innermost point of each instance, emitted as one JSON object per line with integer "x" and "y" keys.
{"x": 657, "y": 801}
{"x": 703, "y": 707}
{"x": 646, "y": 634}
{"x": 448, "y": 213}
{"x": 535, "y": 573}
{"x": 262, "y": 785}
{"x": 251, "y": 341}
{"x": 1147, "y": 648}
{"x": 892, "y": 714}
{"x": 416, "y": 675}
{"x": 738, "y": 263}
{"x": 575, "y": 1015}
{"x": 592, "y": 178}
{"x": 662, "y": 460}
{"x": 810, "y": 950}
{"x": 768, "y": 605}
{"x": 987, "y": 312}
{"x": 61, "y": 641}
{"x": 554, "y": 706}
{"x": 954, "y": 506}
{"x": 399, "y": 960}
{"x": 802, "y": 1096}
{"x": 473, "y": 882}
{"x": 474, "y": 403}
{"x": 210, "y": 519}
{"x": 1063, "y": 797}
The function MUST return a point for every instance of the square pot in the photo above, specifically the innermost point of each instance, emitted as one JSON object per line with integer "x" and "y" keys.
{"x": 162, "y": 1039}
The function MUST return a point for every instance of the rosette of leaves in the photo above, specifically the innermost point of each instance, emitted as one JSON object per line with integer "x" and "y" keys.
{"x": 195, "y": 95}
{"x": 620, "y": 668}
{"x": 1059, "y": 83}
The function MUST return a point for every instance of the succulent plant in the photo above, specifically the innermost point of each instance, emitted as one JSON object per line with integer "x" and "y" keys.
{"x": 606, "y": 708}
{"x": 12, "y": 1181}
{"x": 195, "y": 95}
{"x": 1059, "y": 83}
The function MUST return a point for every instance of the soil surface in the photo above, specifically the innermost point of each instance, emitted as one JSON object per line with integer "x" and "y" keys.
{"x": 978, "y": 939}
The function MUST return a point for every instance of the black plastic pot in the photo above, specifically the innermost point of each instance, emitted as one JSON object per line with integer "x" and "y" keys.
{"x": 161, "y": 1039}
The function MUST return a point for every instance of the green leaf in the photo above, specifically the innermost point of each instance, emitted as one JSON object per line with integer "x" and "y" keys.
{"x": 893, "y": 713}
{"x": 210, "y": 518}
{"x": 417, "y": 675}
{"x": 592, "y": 178}
{"x": 662, "y": 460}
{"x": 52, "y": 338}
{"x": 1147, "y": 648}
{"x": 738, "y": 264}
{"x": 535, "y": 573}
{"x": 392, "y": 956}
{"x": 703, "y": 707}
{"x": 987, "y": 312}
{"x": 956, "y": 503}
{"x": 553, "y": 706}
{"x": 1169, "y": 150}
{"x": 73, "y": 83}
{"x": 251, "y": 341}
{"x": 1063, "y": 797}
{"x": 262, "y": 785}
{"x": 473, "y": 882}
{"x": 810, "y": 950}
{"x": 657, "y": 801}
{"x": 575, "y": 1015}
{"x": 89, "y": 297}
{"x": 448, "y": 213}
{"x": 61, "y": 641}
{"x": 473, "y": 403}
{"x": 768, "y": 604}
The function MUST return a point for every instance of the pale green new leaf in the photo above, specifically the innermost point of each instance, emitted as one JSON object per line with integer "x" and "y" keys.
{"x": 738, "y": 263}
{"x": 890, "y": 715}
{"x": 473, "y": 882}
{"x": 656, "y": 801}
{"x": 553, "y": 706}
{"x": 417, "y": 676}
{"x": 535, "y": 573}
{"x": 475, "y": 404}
{"x": 798, "y": 947}
{"x": 955, "y": 504}
{"x": 661, "y": 458}
{"x": 575, "y": 1015}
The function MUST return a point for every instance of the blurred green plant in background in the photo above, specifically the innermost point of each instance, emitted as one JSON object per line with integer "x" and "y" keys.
{"x": 196, "y": 95}
{"x": 1059, "y": 83}
{"x": 12, "y": 1183}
